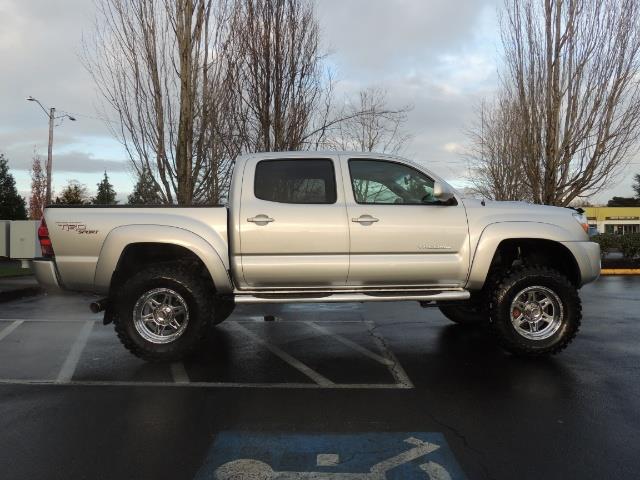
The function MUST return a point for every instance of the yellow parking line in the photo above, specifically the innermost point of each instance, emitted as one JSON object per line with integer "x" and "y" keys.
{"x": 620, "y": 271}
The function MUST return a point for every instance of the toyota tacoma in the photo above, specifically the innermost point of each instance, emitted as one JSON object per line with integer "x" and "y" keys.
{"x": 324, "y": 227}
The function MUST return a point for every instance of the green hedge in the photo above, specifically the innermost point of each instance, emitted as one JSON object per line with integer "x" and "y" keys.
{"x": 628, "y": 244}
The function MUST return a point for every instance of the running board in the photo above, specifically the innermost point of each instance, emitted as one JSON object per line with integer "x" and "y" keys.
{"x": 320, "y": 297}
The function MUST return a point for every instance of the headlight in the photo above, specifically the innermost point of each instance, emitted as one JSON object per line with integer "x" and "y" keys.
{"x": 581, "y": 218}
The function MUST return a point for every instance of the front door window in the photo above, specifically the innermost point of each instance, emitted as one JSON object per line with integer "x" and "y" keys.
{"x": 377, "y": 182}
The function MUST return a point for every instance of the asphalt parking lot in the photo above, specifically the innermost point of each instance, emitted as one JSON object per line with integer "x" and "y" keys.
{"x": 325, "y": 391}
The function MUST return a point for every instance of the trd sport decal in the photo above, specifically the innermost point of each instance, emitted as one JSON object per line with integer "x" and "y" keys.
{"x": 79, "y": 228}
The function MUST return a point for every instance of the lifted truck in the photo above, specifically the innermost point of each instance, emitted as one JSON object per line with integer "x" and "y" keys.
{"x": 324, "y": 227}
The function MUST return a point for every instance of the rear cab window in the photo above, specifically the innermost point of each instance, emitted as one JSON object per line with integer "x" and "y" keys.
{"x": 303, "y": 181}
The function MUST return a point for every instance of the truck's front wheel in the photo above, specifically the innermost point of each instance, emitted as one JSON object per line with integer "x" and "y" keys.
{"x": 162, "y": 312}
{"x": 535, "y": 311}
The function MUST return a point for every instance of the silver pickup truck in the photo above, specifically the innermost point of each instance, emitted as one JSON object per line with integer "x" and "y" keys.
{"x": 324, "y": 227}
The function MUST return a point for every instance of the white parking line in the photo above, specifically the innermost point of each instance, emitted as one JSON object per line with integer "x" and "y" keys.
{"x": 256, "y": 319}
{"x": 116, "y": 383}
{"x": 179, "y": 373}
{"x": 69, "y": 366}
{"x": 51, "y": 320}
{"x": 237, "y": 319}
{"x": 10, "y": 328}
{"x": 353, "y": 345}
{"x": 294, "y": 362}
{"x": 181, "y": 378}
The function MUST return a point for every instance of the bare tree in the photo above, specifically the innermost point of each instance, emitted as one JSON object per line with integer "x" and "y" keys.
{"x": 570, "y": 100}
{"x": 195, "y": 83}
{"x": 283, "y": 93}
{"x": 275, "y": 59}
{"x": 368, "y": 124}
{"x": 155, "y": 63}
{"x": 498, "y": 171}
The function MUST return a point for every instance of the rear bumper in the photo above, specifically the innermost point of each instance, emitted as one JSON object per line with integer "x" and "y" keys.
{"x": 587, "y": 255}
{"x": 47, "y": 274}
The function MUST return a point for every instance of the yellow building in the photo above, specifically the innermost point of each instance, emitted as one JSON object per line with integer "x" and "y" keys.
{"x": 618, "y": 220}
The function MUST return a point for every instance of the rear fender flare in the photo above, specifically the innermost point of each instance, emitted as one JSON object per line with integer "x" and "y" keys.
{"x": 213, "y": 255}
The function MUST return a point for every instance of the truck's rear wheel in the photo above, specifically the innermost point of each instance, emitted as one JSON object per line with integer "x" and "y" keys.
{"x": 223, "y": 308}
{"x": 535, "y": 311}
{"x": 464, "y": 313}
{"x": 162, "y": 312}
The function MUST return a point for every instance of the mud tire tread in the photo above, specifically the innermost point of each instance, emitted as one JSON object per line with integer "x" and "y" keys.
{"x": 199, "y": 298}
{"x": 501, "y": 323}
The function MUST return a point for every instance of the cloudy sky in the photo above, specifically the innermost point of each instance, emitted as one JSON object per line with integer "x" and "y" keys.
{"x": 440, "y": 56}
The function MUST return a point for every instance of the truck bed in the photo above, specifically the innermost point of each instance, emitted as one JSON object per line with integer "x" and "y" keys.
{"x": 78, "y": 233}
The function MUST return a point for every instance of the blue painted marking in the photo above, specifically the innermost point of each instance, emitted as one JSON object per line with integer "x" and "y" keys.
{"x": 360, "y": 456}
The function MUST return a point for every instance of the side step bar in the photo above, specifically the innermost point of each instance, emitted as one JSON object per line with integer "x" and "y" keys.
{"x": 424, "y": 296}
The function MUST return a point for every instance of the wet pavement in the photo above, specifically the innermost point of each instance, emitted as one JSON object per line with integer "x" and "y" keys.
{"x": 366, "y": 390}
{"x": 15, "y": 287}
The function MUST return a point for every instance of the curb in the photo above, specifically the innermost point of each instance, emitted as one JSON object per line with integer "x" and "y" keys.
{"x": 17, "y": 293}
{"x": 620, "y": 271}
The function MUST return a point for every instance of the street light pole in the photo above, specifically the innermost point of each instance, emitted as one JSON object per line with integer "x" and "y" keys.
{"x": 52, "y": 116}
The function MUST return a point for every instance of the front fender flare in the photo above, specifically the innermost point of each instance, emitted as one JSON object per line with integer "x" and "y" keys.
{"x": 214, "y": 257}
{"x": 495, "y": 233}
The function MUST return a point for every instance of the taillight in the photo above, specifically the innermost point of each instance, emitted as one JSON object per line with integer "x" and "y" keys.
{"x": 581, "y": 218}
{"x": 45, "y": 241}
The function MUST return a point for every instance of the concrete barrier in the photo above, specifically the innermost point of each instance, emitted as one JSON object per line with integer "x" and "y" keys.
{"x": 4, "y": 238}
{"x": 19, "y": 239}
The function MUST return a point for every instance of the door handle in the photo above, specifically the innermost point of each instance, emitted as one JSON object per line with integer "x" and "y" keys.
{"x": 365, "y": 220}
{"x": 260, "y": 219}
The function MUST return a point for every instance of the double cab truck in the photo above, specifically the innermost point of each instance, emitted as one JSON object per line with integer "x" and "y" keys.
{"x": 324, "y": 227}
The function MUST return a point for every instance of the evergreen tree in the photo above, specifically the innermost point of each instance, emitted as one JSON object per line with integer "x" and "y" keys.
{"x": 75, "y": 193}
{"x": 106, "y": 194}
{"x": 38, "y": 189}
{"x": 146, "y": 191}
{"x": 12, "y": 205}
{"x": 636, "y": 185}
{"x": 624, "y": 202}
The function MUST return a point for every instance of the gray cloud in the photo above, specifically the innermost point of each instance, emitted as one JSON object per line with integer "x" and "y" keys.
{"x": 374, "y": 35}
{"x": 19, "y": 146}
{"x": 69, "y": 162}
{"x": 438, "y": 56}
{"x": 86, "y": 163}
{"x": 39, "y": 45}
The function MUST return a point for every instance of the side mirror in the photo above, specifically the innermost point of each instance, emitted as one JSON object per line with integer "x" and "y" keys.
{"x": 443, "y": 192}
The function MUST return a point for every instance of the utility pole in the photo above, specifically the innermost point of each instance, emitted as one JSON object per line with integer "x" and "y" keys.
{"x": 52, "y": 114}
{"x": 52, "y": 117}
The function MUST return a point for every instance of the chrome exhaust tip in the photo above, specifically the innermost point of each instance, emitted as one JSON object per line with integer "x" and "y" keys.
{"x": 98, "y": 306}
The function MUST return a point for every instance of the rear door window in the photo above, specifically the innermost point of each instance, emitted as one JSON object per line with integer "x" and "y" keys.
{"x": 307, "y": 181}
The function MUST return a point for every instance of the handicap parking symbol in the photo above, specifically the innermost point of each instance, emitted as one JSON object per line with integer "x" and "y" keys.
{"x": 361, "y": 456}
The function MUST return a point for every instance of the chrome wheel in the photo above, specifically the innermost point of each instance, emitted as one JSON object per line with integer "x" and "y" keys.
{"x": 160, "y": 315}
{"x": 536, "y": 313}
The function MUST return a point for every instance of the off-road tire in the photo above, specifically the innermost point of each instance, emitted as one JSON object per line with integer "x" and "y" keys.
{"x": 223, "y": 309}
{"x": 464, "y": 313}
{"x": 180, "y": 278}
{"x": 514, "y": 281}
